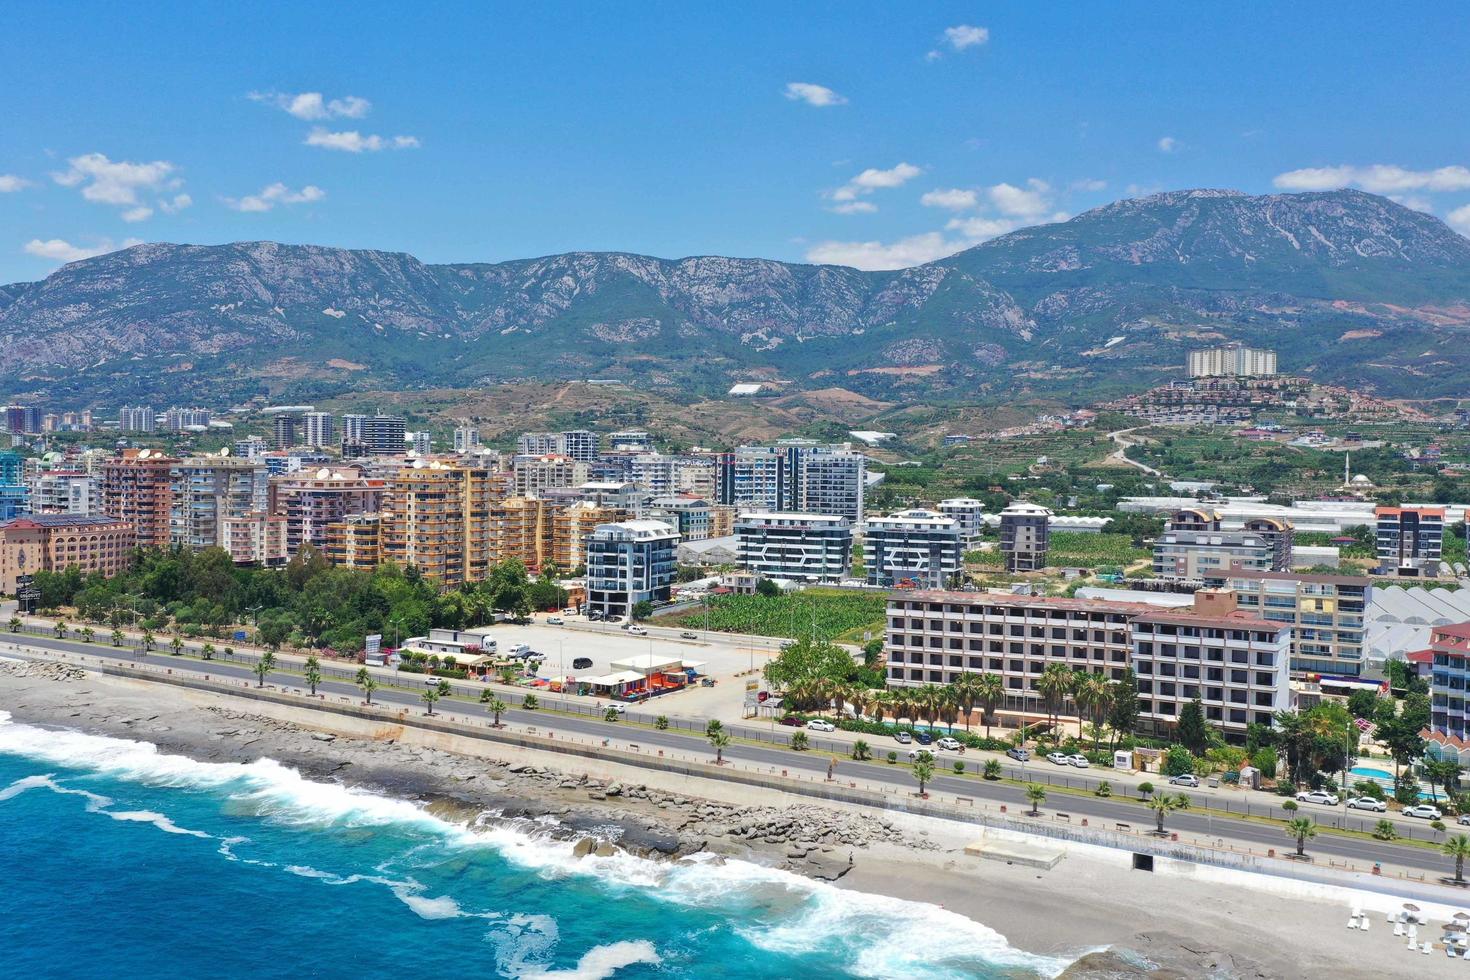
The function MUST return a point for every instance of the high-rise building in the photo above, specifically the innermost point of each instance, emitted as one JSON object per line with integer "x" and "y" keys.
{"x": 382, "y": 435}
{"x": 137, "y": 487}
{"x": 1449, "y": 713}
{"x": 1025, "y": 536}
{"x": 570, "y": 527}
{"x": 1193, "y": 545}
{"x": 135, "y": 418}
{"x": 178, "y": 419}
{"x": 66, "y": 492}
{"x": 355, "y": 542}
{"x": 22, "y": 419}
{"x": 319, "y": 429}
{"x": 14, "y": 493}
{"x": 440, "y": 518}
{"x": 579, "y": 444}
{"x": 207, "y": 491}
{"x": 1233, "y": 361}
{"x": 538, "y": 444}
{"x": 420, "y": 443}
{"x": 794, "y": 475}
{"x": 311, "y": 501}
{"x": 1410, "y": 540}
{"x": 969, "y": 514}
{"x": 352, "y": 428}
{"x": 286, "y": 429}
{"x": 251, "y": 447}
{"x": 804, "y": 547}
{"x": 535, "y": 474}
{"x": 912, "y": 549}
{"x": 466, "y": 439}
{"x": 630, "y": 441}
{"x": 628, "y": 563}
{"x": 1326, "y": 614}
{"x": 255, "y": 538}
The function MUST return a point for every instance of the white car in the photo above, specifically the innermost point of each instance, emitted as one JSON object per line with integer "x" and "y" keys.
{"x": 554, "y": 621}
{"x": 1423, "y": 811}
{"x": 621, "y": 709}
{"x": 1367, "y": 803}
{"x": 1318, "y": 796}
{"x": 1187, "y": 779}
{"x": 818, "y": 725}
{"x": 1080, "y": 761}
{"x": 637, "y": 631}
{"x": 948, "y": 744}
{"x": 1058, "y": 758}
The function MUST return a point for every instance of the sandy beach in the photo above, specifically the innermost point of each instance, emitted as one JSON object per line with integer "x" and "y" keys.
{"x": 1181, "y": 921}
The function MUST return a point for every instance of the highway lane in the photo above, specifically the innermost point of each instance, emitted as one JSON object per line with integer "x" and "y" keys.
{"x": 1103, "y": 812}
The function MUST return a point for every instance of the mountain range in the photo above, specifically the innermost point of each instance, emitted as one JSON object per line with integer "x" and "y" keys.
{"x": 1349, "y": 287}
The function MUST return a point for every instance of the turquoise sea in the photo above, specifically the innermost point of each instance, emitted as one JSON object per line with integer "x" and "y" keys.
{"x": 121, "y": 861}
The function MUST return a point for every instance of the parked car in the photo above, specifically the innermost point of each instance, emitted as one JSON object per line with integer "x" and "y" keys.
{"x": 594, "y": 617}
{"x": 1318, "y": 796}
{"x": 1463, "y": 820}
{"x": 902, "y": 738}
{"x": 554, "y": 621}
{"x": 949, "y": 744}
{"x": 1368, "y": 803}
{"x": 1020, "y": 755}
{"x": 1057, "y": 758}
{"x": 923, "y": 738}
{"x": 791, "y": 721}
{"x": 1187, "y": 779}
{"x": 1423, "y": 811}
{"x": 1079, "y": 760}
{"x": 818, "y": 725}
{"x": 582, "y": 663}
{"x": 687, "y": 635}
{"x": 621, "y": 709}
{"x": 569, "y": 611}
{"x": 915, "y": 754}
{"x": 637, "y": 631}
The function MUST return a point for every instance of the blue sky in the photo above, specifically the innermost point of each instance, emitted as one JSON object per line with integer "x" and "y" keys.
{"x": 879, "y": 135}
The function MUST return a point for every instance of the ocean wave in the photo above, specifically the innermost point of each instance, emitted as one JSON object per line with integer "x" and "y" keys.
{"x": 601, "y": 962}
{"x": 876, "y": 935}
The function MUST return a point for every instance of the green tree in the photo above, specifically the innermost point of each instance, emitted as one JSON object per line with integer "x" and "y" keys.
{"x": 429, "y": 695}
{"x": 263, "y": 666}
{"x": 1036, "y": 793}
{"x": 661, "y": 723}
{"x": 496, "y": 707}
{"x": 611, "y": 714}
{"x": 1164, "y": 804}
{"x": 799, "y": 741}
{"x": 368, "y": 684}
{"x": 117, "y": 637}
{"x": 923, "y": 770}
{"x": 530, "y": 702}
{"x": 272, "y": 633}
{"x": 176, "y": 645}
{"x": 808, "y": 670}
{"x": 990, "y": 692}
{"x": 1054, "y": 684}
{"x": 1145, "y": 788}
{"x": 992, "y": 769}
{"x": 1385, "y": 830}
{"x": 715, "y": 725}
{"x": 1303, "y": 829}
{"x": 1363, "y": 704}
{"x": 642, "y": 609}
{"x": 1178, "y": 761}
{"x": 861, "y": 750}
{"x": 719, "y": 739}
{"x": 1191, "y": 730}
{"x": 444, "y": 689}
{"x": 148, "y": 640}
{"x": 207, "y": 651}
{"x": 1458, "y": 847}
{"x": 1123, "y": 707}
{"x": 313, "y": 674}
{"x": 15, "y": 624}
{"x": 1442, "y": 772}
{"x": 60, "y": 628}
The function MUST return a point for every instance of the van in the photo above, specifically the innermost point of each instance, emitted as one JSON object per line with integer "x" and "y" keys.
{"x": 517, "y": 651}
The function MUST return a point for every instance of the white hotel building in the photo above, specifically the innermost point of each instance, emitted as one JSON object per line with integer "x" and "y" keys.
{"x": 916, "y": 548}
{"x": 804, "y": 547}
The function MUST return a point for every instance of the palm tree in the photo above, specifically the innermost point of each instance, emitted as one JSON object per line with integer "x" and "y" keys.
{"x": 992, "y": 769}
{"x": 313, "y": 674}
{"x": 991, "y": 691}
{"x": 60, "y": 629}
{"x": 1094, "y": 694}
{"x": 923, "y": 770}
{"x": 207, "y": 651}
{"x": 263, "y": 666}
{"x": 148, "y": 640}
{"x": 949, "y": 706}
{"x": 15, "y": 624}
{"x": 1296, "y": 736}
{"x": 1165, "y": 803}
{"x": 1036, "y": 793}
{"x": 497, "y": 707}
{"x": 1458, "y": 847}
{"x": 966, "y": 694}
{"x": 861, "y": 750}
{"x": 176, "y": 645}
{"x": 117, "y": 638}
{"x": 367, "y": 683}
{"x": 1303, "y": 829}
{"x": 1053, "y": 685}
{"x": 429, "y": 696}
{"x": 87, "y": 634}
{"x": 879, "y": 704}
{"x": 859, "y": 697}
{"x": 837, "y": 697}
{"x": 719, "y": 739}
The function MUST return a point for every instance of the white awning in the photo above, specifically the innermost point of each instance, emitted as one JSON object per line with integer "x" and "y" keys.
{"x": 612, "y": 680}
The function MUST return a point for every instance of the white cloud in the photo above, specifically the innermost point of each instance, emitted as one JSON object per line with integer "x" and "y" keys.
{"x": 140, "y": 213}
{"x": 816, "y": 95}
{"x": 1090, "y": 185}
{"x": 951, "y": 199}
{"x": 964, "y": 36}
{"x": 176, "y": 204}
{"x": 312, "y": 105}
{"x": 10, "y": 183}
{"x": 351, "y": 141}
{"x": 876, "y": 256}
{"x": 1031, "y": 202}
{"x": 118, "y": 183}
{"x": 63, "y": 251}
{"x": 854, "y": 207}
{"x": 1415, "y": 202}
{"x": 874, "y": 179}
{"x": 1379, "y": 178}
{"x": 275, "y": 194}
{"x": 1459, "y": 219}
{"x": 1168, "y": 144}
{"x": 981, "y": 227}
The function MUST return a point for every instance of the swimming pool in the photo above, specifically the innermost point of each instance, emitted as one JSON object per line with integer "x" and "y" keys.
{"x": 1368, "y": 772}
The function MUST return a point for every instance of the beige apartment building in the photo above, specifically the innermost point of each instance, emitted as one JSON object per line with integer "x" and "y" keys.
{"x": 355, "y": 542}
{"x": 55, "y": 542}
{"x": 255, "y": 538}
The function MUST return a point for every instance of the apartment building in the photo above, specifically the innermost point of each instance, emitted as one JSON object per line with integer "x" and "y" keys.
{"x": 695, "y": 518}
{"x": 355, "y": 542}
{"x": 1326, "y": 614}
{"x": 22, "y": 419}
{"x": 372, "y": 435}
{"x": 207, "y": 490}
{"x": 255, "y": 538}
{"x": 55, "y": 542}
{"x": 1235, "y": 663}
{"x": 351, "y": 429}
{"x": 628, "y": 563}
{"x": 803, "y": 547}
{"x": 630, "y": 441}
{"x": 571, "y": 525}
{"x": 180, "y": 419}
{"x": 1025, "y": 536}
{"x": 1449, "y": 681}
{"x": 422, "y": 522}
{"x": 969, "y": 514}
{"x": 912, "y": 549}
{"x": 136, "y": 418}
{"x": 65, "y": 492}
{"x": 1232, "y": 361}
{"x": 832, "y": 480}
{"x": 536, "y": 474}
{"x": 319, "y": 429}
{"x": 579, "y": 444}
{"x": 1410, "y": 540}
{"x": 794, "y": 475}
{"x": 15, "y": 494}
{"x": 518, "y": 529}
{"x": 137, "y": 487}
{"x": 310, "y": 502}
{"x": 1193, "y": 544}
{"x": 466, "y": 439}
{"x": 286, "y": 430}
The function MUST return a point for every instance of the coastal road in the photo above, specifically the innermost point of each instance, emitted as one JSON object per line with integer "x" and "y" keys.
{"x": 1105, "y": 812}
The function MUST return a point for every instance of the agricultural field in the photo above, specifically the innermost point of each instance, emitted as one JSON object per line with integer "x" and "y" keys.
{"x": 1072, "y": 549}
{"x": 834, "y": 614}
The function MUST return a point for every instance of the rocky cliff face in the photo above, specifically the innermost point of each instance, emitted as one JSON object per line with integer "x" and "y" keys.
{"x": 1161, "y": 273}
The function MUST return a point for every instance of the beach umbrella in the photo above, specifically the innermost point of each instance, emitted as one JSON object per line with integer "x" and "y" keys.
{"x": 1410, "y": 907}
{"x": 1463, "y": 916}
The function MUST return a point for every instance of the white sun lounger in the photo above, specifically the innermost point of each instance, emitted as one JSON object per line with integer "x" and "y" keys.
{"x": 1364, "y": 925}
{"x": 1398, "y": 928}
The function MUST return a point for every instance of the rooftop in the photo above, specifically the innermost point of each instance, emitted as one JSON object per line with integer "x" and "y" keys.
{"x": 32, "y": 521}
{"x": 1026, "y": 601}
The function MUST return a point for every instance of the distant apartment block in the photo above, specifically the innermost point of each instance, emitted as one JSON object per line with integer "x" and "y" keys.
{"x": 1193, "y": 544}
{"x": 1409, "y": 539}
{"x": 207, "y": 490}
{"x": 66, "y": 492}
{"x": 319, "y": 430}
{"x": 15, "y": 494}
{"x": 969, "y": 515}
{"x": 355, "y": 542}
{"x": 537, "y": 474}
{"x": 311, "y": 501}
{"x": 795, "y": 475}
{"x": 580, "y": 444}
{"x": 466, "y": 439}
{"x": 912, "y": 549}
{"x": 1326, "y": 614}
{"x": 628, "y": 563}
{"x": 137, "y": 487}
{"x": 22, "y": 420}
{"x": 178, "y": 419}
{"x": 630, "y": 441}
{"x": 1231, "y": 361}
{"x": 1449, "y": 692}
{"x": 286, "y": 430}
{"x": 1025, "y": 536}
{"x": 136, "y": 418}
{"x": 255, "y": 538}
{"x": 802, "y": 547}
{"x": 693, "y": 517}
{"x": 55, "y": 542}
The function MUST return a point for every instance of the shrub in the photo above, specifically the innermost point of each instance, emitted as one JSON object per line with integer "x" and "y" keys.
{"x": 1385, "y": 830}
{"x": 992, "y": 769}
{"x": 799, "y": 741}
{"x": 1145, "y": 788}
{"x": 1104, "y": 788}
{"x": 1178, "y": 761}
{"x": 661, "y": 723}
{"x": 1290, "y": 806}
{"x": 959, "y": 768}
{"x": 1367, "y": 787}
{"x": 861, "y": 751}
{"x": 892, "y": 758}
{"x": 1266, "y": 760}
{"x": 531, "y": 702}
